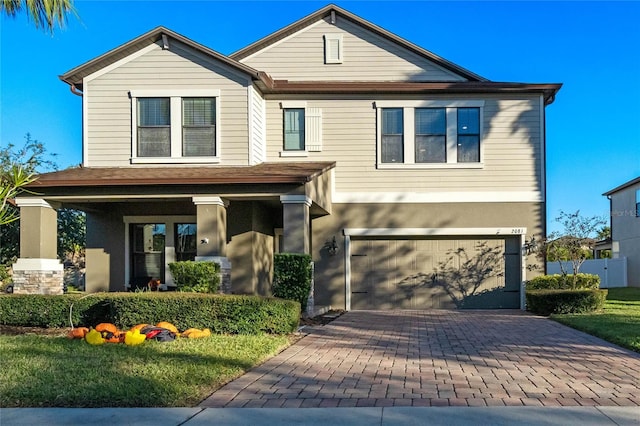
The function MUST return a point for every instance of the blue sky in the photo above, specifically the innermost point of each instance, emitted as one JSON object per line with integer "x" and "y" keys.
{"x": 593, "y": 48}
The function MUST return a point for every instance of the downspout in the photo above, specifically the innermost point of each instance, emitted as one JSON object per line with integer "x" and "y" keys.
{"x": 75, "y": 90}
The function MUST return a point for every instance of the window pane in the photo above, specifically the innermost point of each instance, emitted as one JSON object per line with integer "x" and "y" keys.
{"x": 431, "y": 149}
{"x": 198, "y": 127}
{"x": 468, "y": 121}
{"x": 153, "y": 112}
{"x": 199, "y": 111}
{"x": 294, "y": 129}
{"x": 154, "y": 130}
{"x": 148, "y": 238}
{"x": 392, "y": 121}
{"x": 392, "y": 150}
{"x": 154, "y": 141}
{"x": 392, "y": 135}
{"x": 198, "y": 141}
{"x": 185, "y": 241}
{"x": 468, "y": 149}
{"x": 431, "y": 121}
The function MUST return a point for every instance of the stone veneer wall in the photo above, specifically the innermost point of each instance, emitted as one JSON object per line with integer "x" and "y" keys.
{"x": 38, "y": 282}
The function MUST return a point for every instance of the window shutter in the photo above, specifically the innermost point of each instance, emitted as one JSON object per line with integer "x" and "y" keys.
{"x": 313, "y": 129}
{"x": 333, "y": 48}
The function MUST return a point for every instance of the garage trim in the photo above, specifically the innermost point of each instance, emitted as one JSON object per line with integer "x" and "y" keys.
{"x": 428, "y": 232}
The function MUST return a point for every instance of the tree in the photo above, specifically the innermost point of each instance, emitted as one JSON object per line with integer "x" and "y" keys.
{"x": 12, "y": 183}
{"x": 574, "y": 242}
{"x": 45, "y": 14}
{"x": 32, "y": 158}
{"x": 604, "y": 233}
{"x": 19, "y": 168}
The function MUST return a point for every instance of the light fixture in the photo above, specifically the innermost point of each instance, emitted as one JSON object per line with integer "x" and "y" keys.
{"x": 204, "y": 241}
{"x": 331, "y": 246}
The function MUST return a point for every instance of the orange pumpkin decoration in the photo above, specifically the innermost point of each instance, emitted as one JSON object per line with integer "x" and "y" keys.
{"x": 77, "y": 333}
{"x": 168, "y": 326}
{"x": 116, "y": 337}
{"x": 106, "y": 326}
{"x": 198, "y": 334}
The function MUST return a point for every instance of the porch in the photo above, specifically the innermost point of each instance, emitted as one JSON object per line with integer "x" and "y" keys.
{"x": 139, "y": 219}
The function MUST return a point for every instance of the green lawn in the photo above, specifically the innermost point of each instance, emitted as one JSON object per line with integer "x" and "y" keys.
{"x": 44, "y": 371}
{"x": 619, "y": 323}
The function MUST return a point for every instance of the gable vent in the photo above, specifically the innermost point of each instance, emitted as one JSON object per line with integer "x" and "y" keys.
{"x": 333, "y": 48}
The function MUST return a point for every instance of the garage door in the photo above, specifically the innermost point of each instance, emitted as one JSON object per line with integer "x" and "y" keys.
{"x": 435, "y": 274}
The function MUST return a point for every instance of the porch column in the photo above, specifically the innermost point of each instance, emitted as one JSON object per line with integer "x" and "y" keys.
{"x": 211, "y": 236}
{"x": 296, "y": 221}
{"x": 38, "y": 270}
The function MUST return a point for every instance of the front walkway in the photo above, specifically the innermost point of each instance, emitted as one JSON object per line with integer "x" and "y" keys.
{"x": 440, "y": 358}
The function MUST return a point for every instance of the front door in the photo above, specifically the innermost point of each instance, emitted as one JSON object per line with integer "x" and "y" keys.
{"x": 148, "y": 251}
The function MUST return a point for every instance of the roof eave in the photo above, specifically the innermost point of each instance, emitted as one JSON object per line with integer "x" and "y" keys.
{"x": 74, "y": 77}
{"x": 336, "y": 87}
{"x": 623, "y": 186}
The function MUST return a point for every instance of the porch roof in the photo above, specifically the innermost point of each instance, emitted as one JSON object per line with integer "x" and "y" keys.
{"x": 265, "y": 173}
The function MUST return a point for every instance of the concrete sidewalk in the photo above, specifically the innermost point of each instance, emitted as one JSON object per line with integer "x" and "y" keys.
{"x": 406, "y": 416}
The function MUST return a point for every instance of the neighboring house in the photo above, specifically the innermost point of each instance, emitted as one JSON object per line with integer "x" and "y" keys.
{"x": 412, "y": 182}
{"x": 625, "y": 227}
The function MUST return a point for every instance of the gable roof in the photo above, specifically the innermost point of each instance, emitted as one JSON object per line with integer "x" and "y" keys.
{"x": 623, "y": 186}
{"x": 75, "y": 76}
{"x": 332, "y": 9}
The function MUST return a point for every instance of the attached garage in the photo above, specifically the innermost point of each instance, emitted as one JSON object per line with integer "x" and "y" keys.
{"x": 434, "y": 269}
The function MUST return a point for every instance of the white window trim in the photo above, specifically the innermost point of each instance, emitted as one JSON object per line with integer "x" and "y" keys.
{"x": 313, "y": 133}
{"x": 409, "y": 133}
{"x": 327, "y": 58}
{"x": 175, "y": 98}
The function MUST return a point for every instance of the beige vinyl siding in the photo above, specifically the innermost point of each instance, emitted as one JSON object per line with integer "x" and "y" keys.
{"x": 257, "y": 141}
{"x": 109, "y": 106}
{"x": 367, "y": 57}
{"x": 511, "y": 147}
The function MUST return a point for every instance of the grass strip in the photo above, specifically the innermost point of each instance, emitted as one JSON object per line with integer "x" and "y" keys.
{"x": 618, "y": 323}
{"x": 45, "y": 371}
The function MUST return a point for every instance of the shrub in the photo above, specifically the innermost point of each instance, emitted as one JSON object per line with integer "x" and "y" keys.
{"x": 223, "y": 314}
{"x": 564, "y": 282}
{"x": 197, "y": 277}
{"x": 292, "y": 277}
{"x": 35, "y": 310}
{"x": 547, "y": 302}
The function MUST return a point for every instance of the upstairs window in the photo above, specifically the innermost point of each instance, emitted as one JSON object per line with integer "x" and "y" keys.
{"x": 154, "y": 127}
{"x": 638, "y": 203}
{"x": 301, "y": 129}
{"x": 198, "y": 127}
{"x": 431, "y": 135}
{"x": 392, "y": 135}
{"x": 294, "y": 129}
{"x": 175, "y": 126}
{"x": 468, "y": 135}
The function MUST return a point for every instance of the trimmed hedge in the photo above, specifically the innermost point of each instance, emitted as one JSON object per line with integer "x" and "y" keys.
{"x": 198, "y": 277}
{"x": 222, "y": 314}
{"x": 564, "y": 282}
{"x": 547, "y": 302}
{"x": 292, "y": 274}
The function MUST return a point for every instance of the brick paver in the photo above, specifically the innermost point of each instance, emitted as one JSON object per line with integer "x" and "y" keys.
{"x": 440, "y": 358}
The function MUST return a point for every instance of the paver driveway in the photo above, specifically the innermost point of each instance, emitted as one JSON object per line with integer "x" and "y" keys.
{"x": 439, "y": 358}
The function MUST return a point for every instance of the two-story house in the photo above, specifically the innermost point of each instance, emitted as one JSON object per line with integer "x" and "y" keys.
{"x": 412, "y": 182}
{"x": 625, "y": 226}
